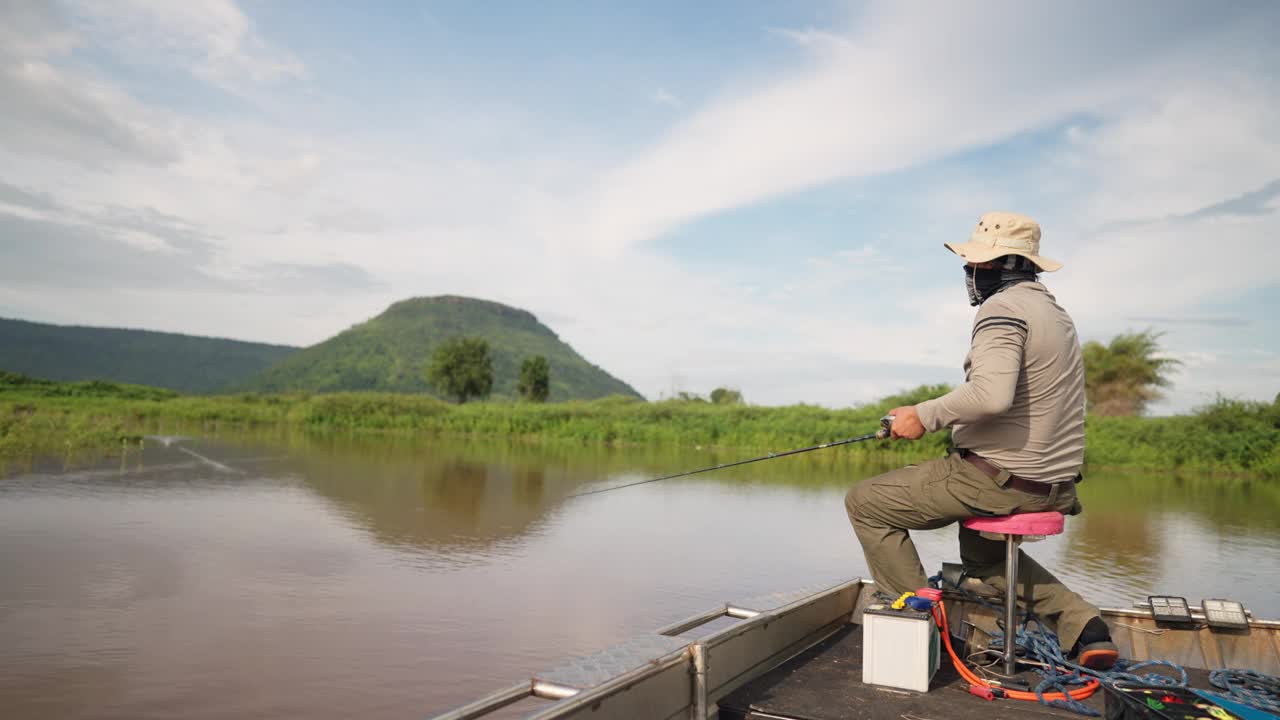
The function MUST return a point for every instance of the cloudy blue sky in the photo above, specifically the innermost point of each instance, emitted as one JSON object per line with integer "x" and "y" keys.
{"x": 751, "y": 194}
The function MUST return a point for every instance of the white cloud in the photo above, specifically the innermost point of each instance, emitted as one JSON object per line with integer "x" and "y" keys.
{"x": 76, "y": 119}
{"x": 1167, "y": 267}
{"x": 213, "y": 39}
{"x": 662, "y": 96}
{"x": 50, "y": 112}
{"x": 33, "y": 29}
{"x": 820, "y": 41}
{"x": 1210, "y": 139}
{"x": 907, "y": 88}
{"x": 1205, "y": 377}
{"x": 1152, "y": 229}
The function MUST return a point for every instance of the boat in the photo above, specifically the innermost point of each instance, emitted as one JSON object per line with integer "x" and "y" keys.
{"x": 798, "y": 656}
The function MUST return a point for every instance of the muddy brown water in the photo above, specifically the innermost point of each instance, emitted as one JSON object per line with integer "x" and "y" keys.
{"x": 282, "y": 577}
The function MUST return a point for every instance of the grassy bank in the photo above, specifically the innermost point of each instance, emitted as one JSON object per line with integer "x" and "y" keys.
{"x": 1228, "y": 435}
{"x": 45, "y": 418}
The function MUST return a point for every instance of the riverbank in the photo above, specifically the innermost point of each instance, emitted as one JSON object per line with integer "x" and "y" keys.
{"x": 42, "y": 418}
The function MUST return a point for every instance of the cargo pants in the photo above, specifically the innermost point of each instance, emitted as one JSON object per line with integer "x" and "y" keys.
{"x": 939, "y": 492}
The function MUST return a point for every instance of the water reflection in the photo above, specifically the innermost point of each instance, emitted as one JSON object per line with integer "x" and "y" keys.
{"x": 473, "y": 495}
{"x": 434, "y": 500}
{"x": 1115, "y": 543}
{"x": 470, "y": 496}
{"x": 1232, "y": 504}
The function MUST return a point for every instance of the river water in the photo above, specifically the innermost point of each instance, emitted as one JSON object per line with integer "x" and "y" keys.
{"x": 287, "y": 577}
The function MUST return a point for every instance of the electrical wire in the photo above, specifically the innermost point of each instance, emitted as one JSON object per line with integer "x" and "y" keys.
{"x": 1081, "y": 693}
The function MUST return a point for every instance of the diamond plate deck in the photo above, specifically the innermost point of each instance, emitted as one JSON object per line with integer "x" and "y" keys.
{"x": 591, "y": 670}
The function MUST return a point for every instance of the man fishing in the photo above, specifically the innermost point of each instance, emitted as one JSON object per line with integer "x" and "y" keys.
{"x": 1018, "y": 426}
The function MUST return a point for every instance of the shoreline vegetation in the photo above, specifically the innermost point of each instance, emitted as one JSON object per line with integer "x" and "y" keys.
{"x": 41, "y": 418}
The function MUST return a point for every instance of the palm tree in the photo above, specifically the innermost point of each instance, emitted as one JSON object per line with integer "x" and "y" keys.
{"x": 1122, "y": 377}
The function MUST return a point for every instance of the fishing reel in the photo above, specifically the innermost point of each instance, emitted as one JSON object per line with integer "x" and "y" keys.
{"x": 886, "y": 425}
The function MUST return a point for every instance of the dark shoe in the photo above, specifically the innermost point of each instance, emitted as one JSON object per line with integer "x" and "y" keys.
{"x": 1100, "y": 656}
{"x": 1094, "y": 649}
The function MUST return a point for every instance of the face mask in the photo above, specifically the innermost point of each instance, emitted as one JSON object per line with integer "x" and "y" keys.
{"x": 981, "y": 283}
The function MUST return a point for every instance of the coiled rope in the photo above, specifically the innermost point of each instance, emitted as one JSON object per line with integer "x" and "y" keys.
{"x": 1058, "y": 675}
{"x": 1064, "y": 697}
{"x": 1042, "y": 645}
{"x": 1247, "y": 687}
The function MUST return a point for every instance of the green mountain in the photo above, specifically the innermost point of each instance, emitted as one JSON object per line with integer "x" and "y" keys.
{"x": 185, "y": 363}
{"x": 389, "y": 352}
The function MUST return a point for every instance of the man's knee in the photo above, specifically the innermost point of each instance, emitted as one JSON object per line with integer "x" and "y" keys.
{"x": 855, "y": 501}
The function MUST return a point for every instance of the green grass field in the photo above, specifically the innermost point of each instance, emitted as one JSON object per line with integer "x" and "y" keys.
{"x": 41, "y": 418}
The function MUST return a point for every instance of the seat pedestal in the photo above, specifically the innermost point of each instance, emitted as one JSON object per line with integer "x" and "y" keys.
{"x": 1014, "y": 530}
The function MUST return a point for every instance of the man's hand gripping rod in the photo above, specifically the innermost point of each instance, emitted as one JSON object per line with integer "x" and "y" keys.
{"x": 883, "y": 433}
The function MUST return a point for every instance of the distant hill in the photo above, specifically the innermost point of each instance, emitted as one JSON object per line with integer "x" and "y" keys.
{"x": 186, "y": 363}
{"x": 389, "y": 352}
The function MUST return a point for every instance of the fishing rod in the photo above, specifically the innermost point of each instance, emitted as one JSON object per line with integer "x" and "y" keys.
{"x": 886, "y": 423}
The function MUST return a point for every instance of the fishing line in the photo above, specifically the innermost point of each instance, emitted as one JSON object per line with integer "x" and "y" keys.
{"x": 210, "y": 462}
{"x": 880, "y": 434}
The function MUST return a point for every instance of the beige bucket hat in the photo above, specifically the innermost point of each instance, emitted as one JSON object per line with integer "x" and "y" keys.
{"x": 1003, "y": 233}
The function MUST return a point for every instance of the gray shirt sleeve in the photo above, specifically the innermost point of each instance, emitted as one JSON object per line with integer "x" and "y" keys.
{"x": 991, "y": 371}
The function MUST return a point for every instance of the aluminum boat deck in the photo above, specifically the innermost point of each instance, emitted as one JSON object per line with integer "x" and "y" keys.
{"x": 825, "y": 683}
{"x": 797, "y": 656}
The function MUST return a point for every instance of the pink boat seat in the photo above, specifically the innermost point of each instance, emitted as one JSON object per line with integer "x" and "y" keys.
{"x": 1038, "y": 523}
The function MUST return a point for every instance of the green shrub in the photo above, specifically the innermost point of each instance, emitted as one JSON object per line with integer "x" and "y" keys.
{"x": 44, "y": 418}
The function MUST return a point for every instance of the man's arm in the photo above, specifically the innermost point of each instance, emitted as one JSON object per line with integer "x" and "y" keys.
{"x": 995, "y": 362}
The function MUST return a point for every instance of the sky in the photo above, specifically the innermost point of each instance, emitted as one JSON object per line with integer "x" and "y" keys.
{"x": 742, "y": 194}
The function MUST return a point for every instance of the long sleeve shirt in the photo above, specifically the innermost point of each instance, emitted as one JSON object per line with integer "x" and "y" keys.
{"x": 1022, "y": 403}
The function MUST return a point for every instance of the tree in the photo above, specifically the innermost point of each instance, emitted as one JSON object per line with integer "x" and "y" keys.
{"x": 461, "y": 368}
{"x": 725, "y": 396}
{"x": 1122, "y": 377}
{"x": 535, "y": 379}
